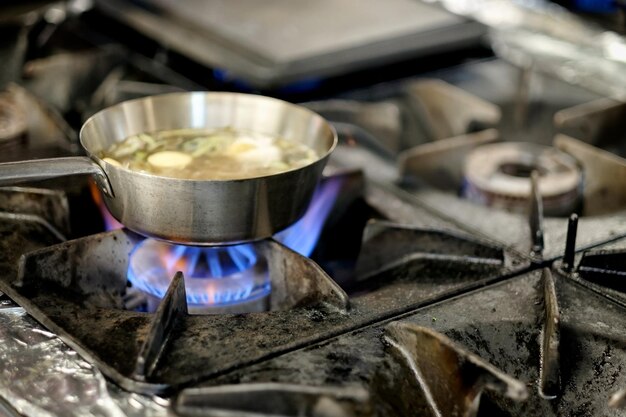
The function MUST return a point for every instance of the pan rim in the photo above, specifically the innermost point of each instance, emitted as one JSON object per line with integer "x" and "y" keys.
{"x": 107, "y": 166}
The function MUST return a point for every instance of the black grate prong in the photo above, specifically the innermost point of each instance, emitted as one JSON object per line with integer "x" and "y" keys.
{"x": 535, "y": 218}
{"x": 450, "y": 378}
{"x": 550, "y": 370}
{"x": 171, "y": 310}
{"x": 570, "y": 245}
{"x": 274, "y": 399}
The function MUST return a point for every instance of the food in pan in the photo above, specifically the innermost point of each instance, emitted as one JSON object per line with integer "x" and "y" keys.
{"x": 208, "y": 154}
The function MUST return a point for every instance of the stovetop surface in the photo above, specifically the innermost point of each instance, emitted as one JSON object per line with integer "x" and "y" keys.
{"x": 414, "y": 301}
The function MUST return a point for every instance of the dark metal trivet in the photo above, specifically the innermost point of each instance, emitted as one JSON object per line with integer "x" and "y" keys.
{"x": 544, "y": 327}
{"x": 30, "y": 219}
{"x": 430, "y": 158}
{"x": 76, "y": 289}
{"x": 47, "y": 204}
{"x": 562, "y": 341}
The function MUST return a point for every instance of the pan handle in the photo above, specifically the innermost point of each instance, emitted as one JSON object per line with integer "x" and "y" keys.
{"x": 42, "y": 169}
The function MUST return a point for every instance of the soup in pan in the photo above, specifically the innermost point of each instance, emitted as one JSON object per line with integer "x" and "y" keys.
{"x": 208, "y": 154}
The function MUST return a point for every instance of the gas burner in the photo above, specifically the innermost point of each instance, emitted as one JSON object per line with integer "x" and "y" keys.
{"x": 498, "y": 175}
{"x": 13, "y": 123}
{"x": 215, "y": 278}
{"x": 392, "y": 296}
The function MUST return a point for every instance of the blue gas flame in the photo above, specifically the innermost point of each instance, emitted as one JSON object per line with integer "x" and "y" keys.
{"x": 215, "y": 276}
{"x": 222, "y": 276}
{"x": 302, "y": 237}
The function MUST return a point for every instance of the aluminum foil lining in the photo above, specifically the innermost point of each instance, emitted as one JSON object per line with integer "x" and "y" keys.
{"x": 41, "y": 376}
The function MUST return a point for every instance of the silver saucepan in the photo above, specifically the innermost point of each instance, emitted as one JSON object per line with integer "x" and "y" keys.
{"x": 195, "y": 212}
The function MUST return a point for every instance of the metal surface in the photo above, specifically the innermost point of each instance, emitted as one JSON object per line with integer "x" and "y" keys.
{"x": 528, "y": 99}
{"x": 552, "y": 39}
{"x": 618, "y": 399}
{"x": 274, "y": 399}
{"x": 512, "y": 230}
{"x": 497, "y": 82}
{"x": 195, "y": 211}
{"x": 46, "y": 135}
{"x": 597, "y": 122}
{"x": 605, "y": 176}
{"x": 78, "y": 289}
{"x": 434, "y": 186}
{"x": 550, "y": 367}
{"x": 42, "y": 169}
{"x": 278, "y": 43}
{"x": 449, "y": 110}
{"x": 599, "y": 269}
{"x": 34, "y": 219}
{"x": 430, "y": 296}
{"x": 89, "y": 275}
{"x": 604, "y": 267}
{"x": 382, "y": 121}
{"x": 51, "y": 205}
{"x": 453, "y": 122}
{"x": 570, "y": 242}
{"x": 440, "y": 164}
{"x": 43, "y": 377}
{"x": 205, "y": 212}
{"x": 449, "y": 378}
{"x": 501, "y": 324}
{"x": 89, "y": 80}
{"x": 13, "y": 46}
{"x": 387, "y": 247}
{"x": 535, "y": 216}
{"x": 498, "y": 175}
{"x": 167, "y": 317}
{"x": 12, "y": 119}
{"x": 64, "y": 78}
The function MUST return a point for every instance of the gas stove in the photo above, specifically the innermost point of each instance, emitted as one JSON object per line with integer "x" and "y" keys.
{"x": 462, "y": 256}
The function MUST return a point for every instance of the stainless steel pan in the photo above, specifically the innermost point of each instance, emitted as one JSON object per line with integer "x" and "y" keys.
{"x": 198, "y": 212}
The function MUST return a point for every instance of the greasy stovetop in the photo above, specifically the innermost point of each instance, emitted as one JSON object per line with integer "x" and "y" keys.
{"x": 417, "y": 295}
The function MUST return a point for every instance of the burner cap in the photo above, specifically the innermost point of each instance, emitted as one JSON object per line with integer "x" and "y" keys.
{"x": 12, "y": 119}
{"x": 498, "y": 175}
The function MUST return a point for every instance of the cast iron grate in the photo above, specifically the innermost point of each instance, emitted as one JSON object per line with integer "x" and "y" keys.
{"x": 77, "y": 288}
{"x": 536, "y": 344}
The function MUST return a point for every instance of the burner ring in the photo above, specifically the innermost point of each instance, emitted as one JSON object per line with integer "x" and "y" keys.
{"x": 13, "y": 123}
{"x": 215, "y": 277}
{"x": 498, "y": 175}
